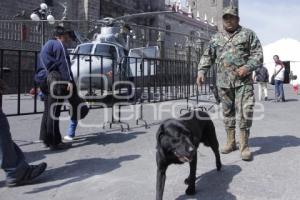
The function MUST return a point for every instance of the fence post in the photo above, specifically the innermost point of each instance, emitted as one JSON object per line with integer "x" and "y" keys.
{"x": 189, "y": 62}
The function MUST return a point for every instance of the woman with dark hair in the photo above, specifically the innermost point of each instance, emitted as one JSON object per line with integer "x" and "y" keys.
{"x": 279, "y": 78}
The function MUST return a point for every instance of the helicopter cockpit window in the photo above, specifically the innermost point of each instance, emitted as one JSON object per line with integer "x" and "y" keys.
{"x": 106, "y": 50}
{"x": 85, "y": 49}
{"x": 82, "y": 49}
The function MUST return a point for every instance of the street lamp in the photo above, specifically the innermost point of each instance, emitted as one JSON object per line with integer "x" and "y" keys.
{"x": 43, "y": 13}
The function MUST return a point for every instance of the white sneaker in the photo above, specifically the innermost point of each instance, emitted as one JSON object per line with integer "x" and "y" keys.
{"x": 68, "y": 138}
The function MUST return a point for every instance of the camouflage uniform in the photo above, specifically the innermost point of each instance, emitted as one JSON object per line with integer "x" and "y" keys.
{"x": 229, "y": 53}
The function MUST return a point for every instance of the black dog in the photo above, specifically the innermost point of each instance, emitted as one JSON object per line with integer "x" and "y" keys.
{"x": 177, "y": 142}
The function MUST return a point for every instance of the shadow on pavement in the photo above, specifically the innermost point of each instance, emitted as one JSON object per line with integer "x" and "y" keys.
{"x": 287, "y": 100}
{"x": 273, "y": 144}
{"x": 79, "y": 170}
{"x": 96, "y": 138}
{"x": 290, "y": 100}
{"x": 214, "y": 185}
{"x": 33, "y": 156}
{"x": 105, "y": 138}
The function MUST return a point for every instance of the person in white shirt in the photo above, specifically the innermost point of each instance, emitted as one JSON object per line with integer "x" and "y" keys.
{"x": 279, "y": 71}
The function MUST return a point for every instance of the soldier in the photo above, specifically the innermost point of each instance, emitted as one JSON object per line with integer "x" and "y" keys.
{"x": 236, "y": 52}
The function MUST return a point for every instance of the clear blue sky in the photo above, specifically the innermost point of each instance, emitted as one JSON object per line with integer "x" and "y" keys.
{"x": 271, "y": 19}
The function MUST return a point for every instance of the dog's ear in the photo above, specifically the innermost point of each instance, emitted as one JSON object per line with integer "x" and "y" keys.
{"x": 159, "y": 133}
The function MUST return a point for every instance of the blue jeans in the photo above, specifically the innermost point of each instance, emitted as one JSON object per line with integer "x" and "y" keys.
{"x": 12, "y": 159}
{"x": 72, "y": 127}
{"x": 279, "y": 93}
{"x": 41, "y": 95}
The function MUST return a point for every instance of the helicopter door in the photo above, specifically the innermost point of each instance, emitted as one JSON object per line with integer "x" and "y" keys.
{"x": 106, "y": 60}
{"x": 83, "y": 49}
{"x": 80, "y": 59}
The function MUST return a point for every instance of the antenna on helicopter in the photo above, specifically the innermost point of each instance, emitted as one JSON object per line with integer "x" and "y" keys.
{"x": 145, "y": 14}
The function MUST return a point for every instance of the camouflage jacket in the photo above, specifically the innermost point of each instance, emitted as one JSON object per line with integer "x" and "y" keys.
{"x": 228, "y": 53}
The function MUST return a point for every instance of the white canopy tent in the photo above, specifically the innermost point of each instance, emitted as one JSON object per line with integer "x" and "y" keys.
{"x": 288, "y": 50}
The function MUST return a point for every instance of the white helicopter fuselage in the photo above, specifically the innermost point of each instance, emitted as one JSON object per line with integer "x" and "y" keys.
{"x": 101, "y": 63}
{"x": 94, "y": 63}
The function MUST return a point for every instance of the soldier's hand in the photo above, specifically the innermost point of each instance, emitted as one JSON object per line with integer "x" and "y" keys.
{"x": 242, "y": 71}
{"x": 200, "y": 79}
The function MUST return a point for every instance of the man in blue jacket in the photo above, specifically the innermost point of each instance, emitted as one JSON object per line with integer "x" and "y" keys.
{"x": 54, "y": 65}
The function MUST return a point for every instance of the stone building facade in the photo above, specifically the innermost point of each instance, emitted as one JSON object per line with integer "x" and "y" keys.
{"x": 17, "y": 31}
{"x": 191, "y": 27}
{"x": 29, "y": 34}
{"x": 210, "y": 10}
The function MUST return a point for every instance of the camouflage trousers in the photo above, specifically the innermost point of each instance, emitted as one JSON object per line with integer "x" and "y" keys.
{"x": 238, "y": 102}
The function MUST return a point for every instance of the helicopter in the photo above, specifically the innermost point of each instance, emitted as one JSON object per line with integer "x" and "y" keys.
{"x": 97, "y": 64}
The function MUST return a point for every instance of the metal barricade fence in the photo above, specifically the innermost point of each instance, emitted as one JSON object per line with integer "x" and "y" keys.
{"x": 133, "y": 79}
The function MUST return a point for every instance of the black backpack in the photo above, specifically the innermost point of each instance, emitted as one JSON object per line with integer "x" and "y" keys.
{"x": 262, "y": 74}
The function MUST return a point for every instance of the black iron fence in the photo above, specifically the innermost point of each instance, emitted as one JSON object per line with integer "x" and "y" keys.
{"x": 134, "y": 80}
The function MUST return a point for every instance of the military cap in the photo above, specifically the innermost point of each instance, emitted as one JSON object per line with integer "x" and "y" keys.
{"x": 230, "y": 10}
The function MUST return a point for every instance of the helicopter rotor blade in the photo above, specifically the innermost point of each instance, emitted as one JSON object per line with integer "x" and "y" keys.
{"x": 109, "y": 21}
{"x": 145, "y": 14}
